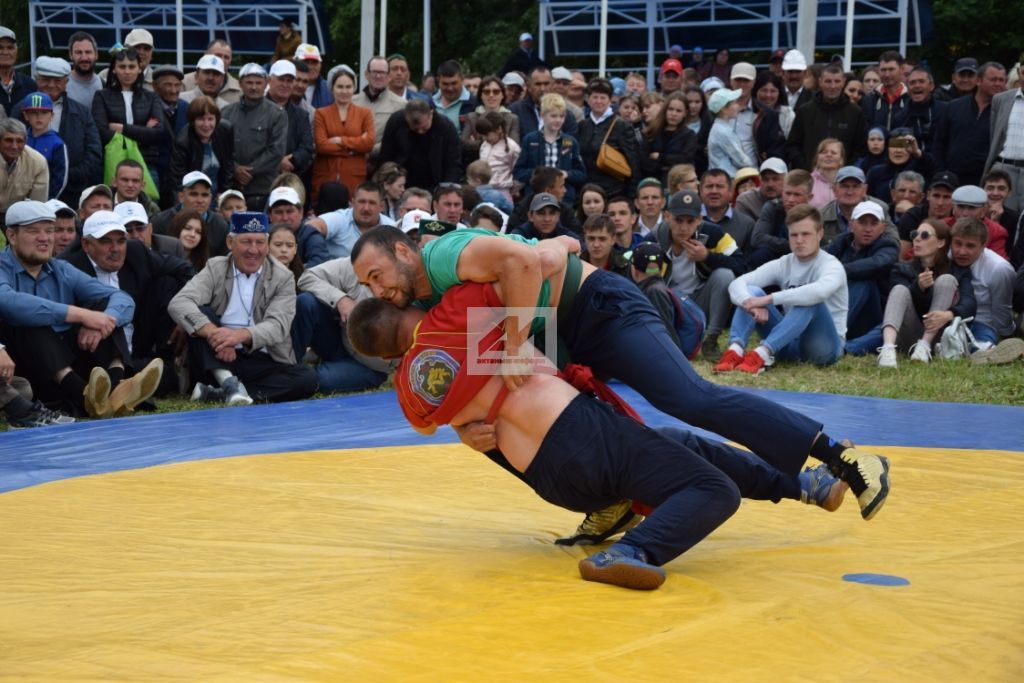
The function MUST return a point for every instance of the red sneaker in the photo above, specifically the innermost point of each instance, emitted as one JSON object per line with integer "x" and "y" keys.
{"x": 730, "y": 361}
{"x": 752, "y": 363}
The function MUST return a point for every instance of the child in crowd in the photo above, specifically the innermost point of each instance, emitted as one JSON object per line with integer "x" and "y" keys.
{"x": 229, "y": 202}
{"x": 499, "y": 151}
{"x": 479, "y": 176}
{"x": 550, "y": 147}
{"x": 877, "y": 153}
{"x": 37, "y": 110}
{"x": 285, "y": 249}
{"x": 649, "y": 267}
{"x": 487, "y": 217}
{"x": 725, "y": 151}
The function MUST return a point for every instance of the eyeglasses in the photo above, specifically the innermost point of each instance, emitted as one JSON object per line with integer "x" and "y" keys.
{"x": 133, "y": 228}
{"x": 923, "y": 234}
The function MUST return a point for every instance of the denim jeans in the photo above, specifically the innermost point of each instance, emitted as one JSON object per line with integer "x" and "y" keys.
{"x": 805, "y": 333}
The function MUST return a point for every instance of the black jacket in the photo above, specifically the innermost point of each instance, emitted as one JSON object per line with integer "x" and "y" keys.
{"x": 529, "y": 232}
{"x": 216, "y": 228}
{"x": 300, "y": 138}
{"x": 591, "y": 136}
{"x": 817, "y": 120}
{"x": 879, "y": 113}
{"x": 906, "y": 272}
{"x": 769, "y": 140}
{"x": 21, "y": 87}
{"x": 445, "y": 155}
{"x": 962, "y": 140}
{"x": 673, "y": 147}
{"x": 874, "y": 262}
{"x": 526, "y": 111}
{"x": 108, "y": 107}
{"x": 188, "y": 155}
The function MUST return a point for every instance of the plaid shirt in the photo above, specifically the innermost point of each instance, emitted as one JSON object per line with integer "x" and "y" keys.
{"x": 551, "y": 153}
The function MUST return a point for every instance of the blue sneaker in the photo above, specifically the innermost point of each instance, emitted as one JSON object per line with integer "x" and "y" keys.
{"x": 819, "y": 487}
{"x": 622, "y": 565}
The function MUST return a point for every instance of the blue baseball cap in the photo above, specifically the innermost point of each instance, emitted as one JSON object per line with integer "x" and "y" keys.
{"x": 249, "y": 221}
{"x": 37, "y": 101}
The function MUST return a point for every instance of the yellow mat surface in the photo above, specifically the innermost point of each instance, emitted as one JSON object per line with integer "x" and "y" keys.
{"x": 431, "y": 564}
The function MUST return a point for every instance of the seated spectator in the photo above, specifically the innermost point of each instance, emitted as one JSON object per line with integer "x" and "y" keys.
{"x": 487, "y": 217}
{"x": 189, "y": 228}
{"x": 599, "y": 236}
{"x": 391, "y": 179}
{"x": 292, "y": 181}
{"x": 543, "y": 220}
{"x": 552, "y": 181}
{"x": 969, "y": 201}
{"x": 93, "y": 199}
{"x": 206, "y": 144}
{"x": 725, "y": 150}
{"x": 64, "y": 229}
{"x": 938, "y": 205}
{"x": 415, "y": 198}
{"x": 591, "y": 201}
{"x": 623, "y": 215}
{"x": 716, "y": 208}
{"x": 830, "y": 157}
{"x": 650, "y": 207}
{"x": 127, "y": 184}
{"x": 999, "y": 188}
{"x": 850, "y": 189}
{"x": 285, "y": 249}
{"x": 904, "y": 154}
{"x": 499, "y": 152}
{"x": 60, "y": 325}
{"x": 649, "y": 266}
{"x": 772, "y": 173}
{"x": 992, "y": 278}
{"x": 747, "y": 180}
{"x": 195, "y": 194}
{"x": 877, "y": 151}
{"x": 668, "y": 140}
{"x": 425, "y": 144}
{"x": 448, "y": 203}
{"x": 925, "y": 294}
{"x": 285, "y": 208}
{"x": 868, "y": 256}
{"x": 239, "y": 342}
{"x": 603, "y": 127}
{"x": 20, "y": 85}
{"x": 479, "y": 178}
{"x": 907, "y": 192}
{"x": 138, "y": 227}
{"x": 19, "y": 409}
{"x": 705, "y": 259}
{"x": 125, "y": 106}
{"x": 550, "y": 146}
{"x": 343, "y": 227}
{"x": 37, "y": 110}
{"x": 329, "y": 293}
{"x": 812, "y": 294}
{"x": 229, "y": 202}
{"x": 771, "y": 239}
{"x": 24, "y": 172}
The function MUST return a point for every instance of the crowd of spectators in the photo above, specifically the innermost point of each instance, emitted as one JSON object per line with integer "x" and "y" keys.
{"x": 173, "y": 233}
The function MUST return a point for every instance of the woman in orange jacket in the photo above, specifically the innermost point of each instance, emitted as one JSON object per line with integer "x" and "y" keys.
{"x": 343, "y": 133}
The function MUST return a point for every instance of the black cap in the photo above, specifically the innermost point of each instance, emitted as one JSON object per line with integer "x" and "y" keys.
{"x": 966, "y": 64}
{"x": 777, "y": 56}
{"x": 684, "y": 203}
{"x": 650, "y": 258}
{"x": 432, "y": 226}
{"x": 945, "y": 179}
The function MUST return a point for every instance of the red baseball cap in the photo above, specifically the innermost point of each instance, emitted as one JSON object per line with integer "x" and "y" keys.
{"x": 672, "y": 65}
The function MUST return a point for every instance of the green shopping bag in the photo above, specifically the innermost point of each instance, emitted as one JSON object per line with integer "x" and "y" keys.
{"x": 117, "y": 150}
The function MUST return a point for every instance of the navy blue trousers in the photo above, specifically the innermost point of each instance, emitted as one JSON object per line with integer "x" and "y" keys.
{"x": 614, "y": 329}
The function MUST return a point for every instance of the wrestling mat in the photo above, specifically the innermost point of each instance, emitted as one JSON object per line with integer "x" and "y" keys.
{"x": 327, "y": 541}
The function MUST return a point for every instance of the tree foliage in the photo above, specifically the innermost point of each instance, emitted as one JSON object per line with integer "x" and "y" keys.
{"x": 983, "y": 29}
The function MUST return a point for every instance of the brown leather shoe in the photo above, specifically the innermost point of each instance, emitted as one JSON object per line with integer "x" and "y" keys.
{"x": 136, "y": 389}
{"x": 97, "y": 394}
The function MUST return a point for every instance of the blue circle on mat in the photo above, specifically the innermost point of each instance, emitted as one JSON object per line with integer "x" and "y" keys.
{"x": 876, "y": 579}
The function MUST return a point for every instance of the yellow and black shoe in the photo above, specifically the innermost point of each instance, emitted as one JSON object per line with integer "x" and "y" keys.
{"x": 598, "y": 527}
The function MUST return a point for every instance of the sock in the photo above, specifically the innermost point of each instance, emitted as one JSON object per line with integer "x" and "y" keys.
{"x": 221, "y": 375}
{"x": 827, "y": 450}
{"x": 116, "y": 374}
{"x": 73, "y": 387}
{"x": 737, "y": 348}
{"x": 765, "y": 354}
{"x": 18, "y": 406}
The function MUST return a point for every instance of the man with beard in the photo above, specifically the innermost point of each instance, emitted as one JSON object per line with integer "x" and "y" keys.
{"x": 84, "y": 82}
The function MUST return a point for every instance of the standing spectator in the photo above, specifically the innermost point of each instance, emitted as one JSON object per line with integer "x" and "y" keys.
{"x": 288, "y": 40}
{"x": 64, "y": 232}
{"x": 904, "y": 154}
{"x": 206, "y": 144}
{"x": 452, "y": 98}
{"x": 668, "y": 140}
{"x": 123, "y": 106}
{"x": 767, "y": 96}
{"x": 718, "y": 67}
{"x": 829, "y": 114}
{"x": 492, "y": 98}
{"x": 924, "y": 110}
{"x": 318, "y": 94}
{"x": 208, "y": 79}
{"x": 1006, "y": 149}
{"x": 261, "y": 136}
{"x": 725, "y": 150}
{"x": 998, "y": 188}
{"x": 424, "y": 144}
{"x": 963, "y": 137}
{"x": 550, "y": 146}
{"x": 37, "y": 109}
{"x": 887, "y": 107}
{"x": 83, "y": 82}
{"x": 23, "y": 173}
{"x": 299, "y": 152}
{"x": 15, "y": 85}
{"x": 142, "y": 42}
{"x": 228, "y": 89}
{"x": 965, "y": 80}
{"x": 398, "y": 78}
{"x": 794, "y": 69}
{"x": 765, "y": 139}
{"x": 528, "y": 108}
{"x": 601, "y": 127}
{"x": 167, "y": 86}
{"x": 561, "y": 79}
{"x": 343, "y": 134}
{"x": 515, "y": 87}
{"x": 671, "y": 77}
{"x": 523, "y": 59}
{"x": 376, "y": 97}
{"x": 650, "y": 206}
{"x": 391, "y": 179}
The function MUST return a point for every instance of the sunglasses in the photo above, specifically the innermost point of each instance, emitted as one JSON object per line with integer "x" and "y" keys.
{"x": 923, "y": 234}
{"x": 133, "y": 228}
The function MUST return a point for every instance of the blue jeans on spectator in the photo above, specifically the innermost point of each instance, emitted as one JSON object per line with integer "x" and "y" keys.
{"x": 318, "y": 326}
{"x": 865, "y": 308}
{"x": 866, "y": 343}
{"x": 805, "y": 333}
{"x": 984, "y": 332}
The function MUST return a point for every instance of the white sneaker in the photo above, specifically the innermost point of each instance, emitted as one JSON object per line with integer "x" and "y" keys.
{"x": 921, "y": 352}
{"x": 235, "y": 393}
{"x": 887, "y": 356}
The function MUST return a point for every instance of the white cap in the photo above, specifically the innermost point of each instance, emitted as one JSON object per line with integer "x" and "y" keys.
{"x": 58, "y": 207}
{"x": 283, "y": 194}
{"x": 340, "y": 68}
{"x": 131, "y": 212}
{"x": 227, "y": 194}
{"x": 253, "y": 69}
{"x": 560, "y": 73}
{"x": 794, "y": 61}
{"x": 774, "y": 164}
{"x": 868, "y": 209}
{"x": 8, "y": 33}
{"x": 193, "y": 177}
{"x": 525, "y": 36}
{"x": 139, "y": 36}
{"x": 411, "y": 220}
{"x": 283, "y": 67}
{"x": 101, "y": 223}
{"x": 210, "y": 63}
{"x": 744, "y": 70}
{"x": 28, "y": 211}
{"x": 54, "y": 67}
{"x": 512, "y": 78}
{"x": 90, "y": 191}
{"x": 307, "y": 51}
